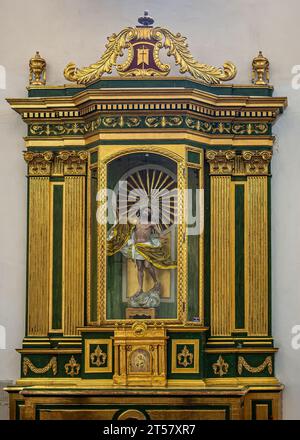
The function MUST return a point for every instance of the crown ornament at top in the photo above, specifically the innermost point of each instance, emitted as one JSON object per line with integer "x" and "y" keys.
{"x": 146, "y": 20}
{"x": 143, "y": 44}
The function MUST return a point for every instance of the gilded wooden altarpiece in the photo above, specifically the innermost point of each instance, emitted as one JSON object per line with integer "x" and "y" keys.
{"x": 206, "y": 352}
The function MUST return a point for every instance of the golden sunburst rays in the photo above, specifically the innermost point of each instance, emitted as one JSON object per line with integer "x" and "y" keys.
{"x": 150, "y": 188}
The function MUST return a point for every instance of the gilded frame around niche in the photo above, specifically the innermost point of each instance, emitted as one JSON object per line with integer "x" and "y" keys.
{"x": 178, "y": 154}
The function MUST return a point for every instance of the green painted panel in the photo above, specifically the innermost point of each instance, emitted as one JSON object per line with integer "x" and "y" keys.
{"x": 238, "y": 178}
{"x": 57, "y": 262}
{"x": 228, "y": 358}
{"x": 39, "y": 361}
{"x": 98, "y": 336}
{"x": 157, "y": 83}
{"x": 256, "y": 360}
{"x": 93, "y": 244}
{"x": 63, "y": 360}
{"x": 94, "y": 157}
{"x": 191, "y": 360}
{"x": 269, "y": 259}
{"x": 239, "y": 257}
{"x": 193, "y": 157}
{"x": 115, "y": 306}
{"x": 193, "y": 248}
{"x": 207, "y": 268}
{"x": 188, "y": 335}
{"x": 103, "y": 348}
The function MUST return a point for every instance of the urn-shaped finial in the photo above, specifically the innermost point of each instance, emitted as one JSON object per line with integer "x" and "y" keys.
{"x": 37, "y": 70}
{"x": 260, "y": 70}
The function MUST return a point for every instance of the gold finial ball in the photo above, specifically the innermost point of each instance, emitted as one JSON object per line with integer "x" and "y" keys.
{"x": 37, "y": 70}
{"x": 260, "y": 69}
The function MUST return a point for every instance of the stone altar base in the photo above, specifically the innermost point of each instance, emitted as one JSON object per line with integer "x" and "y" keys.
{"x": 100, "y": 403}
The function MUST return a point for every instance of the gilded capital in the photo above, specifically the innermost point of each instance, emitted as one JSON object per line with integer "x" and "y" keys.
{"x": 257, "y": 162}
{"x": 242, "y": 164}
{"x": 39, "y": 164}
{"x": 221, "y": 162}
{"x": 74, "y": 162}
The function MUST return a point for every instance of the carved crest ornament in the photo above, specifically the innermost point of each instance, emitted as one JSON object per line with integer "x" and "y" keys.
{"x": 143, "y": 44}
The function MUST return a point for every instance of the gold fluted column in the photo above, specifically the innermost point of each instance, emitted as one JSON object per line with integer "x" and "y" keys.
{"x": 254, "y": 167}
{"x": 257, "y": 255}
{"x": 257, "y": 242}
{"x": 39, "y": 169}
{"x": 74, "y": 246}
{"x": 221, "y": 167}
{"x": 220, "y": 256}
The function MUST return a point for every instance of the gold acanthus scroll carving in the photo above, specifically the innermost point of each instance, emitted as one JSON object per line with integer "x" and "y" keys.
{"x": 228, "y": 162}
{"x": 175, "y": 44}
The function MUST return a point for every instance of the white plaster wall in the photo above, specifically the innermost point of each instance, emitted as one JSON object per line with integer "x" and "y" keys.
{"x": 217, "y": 30}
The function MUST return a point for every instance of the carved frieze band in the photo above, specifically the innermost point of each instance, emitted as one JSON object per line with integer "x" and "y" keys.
{"x": 45, "y": 164}
{"x": 228, "y": 162}
{"x": 143, "y": 121}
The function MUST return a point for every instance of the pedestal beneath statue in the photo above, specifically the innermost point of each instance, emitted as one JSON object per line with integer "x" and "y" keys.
{"x": 140, "y": 313}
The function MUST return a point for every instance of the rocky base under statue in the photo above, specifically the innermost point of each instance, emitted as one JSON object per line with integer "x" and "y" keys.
{"x": 149, "y": 299}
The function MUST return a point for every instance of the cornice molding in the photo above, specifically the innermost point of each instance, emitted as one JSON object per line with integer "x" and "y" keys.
{"x": 198, "y": 101}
